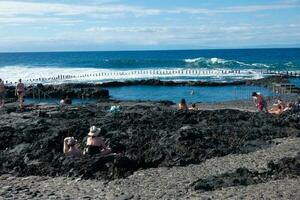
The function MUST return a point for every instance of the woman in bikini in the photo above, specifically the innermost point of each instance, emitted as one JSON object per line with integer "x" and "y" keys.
{"x": 95, "y": 143}
{"x": 259, "y": 101}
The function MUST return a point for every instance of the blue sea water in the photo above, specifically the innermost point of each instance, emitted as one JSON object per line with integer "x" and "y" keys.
{"x": 37, "y": 65}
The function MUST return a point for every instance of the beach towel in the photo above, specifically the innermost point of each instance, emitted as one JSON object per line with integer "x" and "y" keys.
{"x": 115, "y": 109}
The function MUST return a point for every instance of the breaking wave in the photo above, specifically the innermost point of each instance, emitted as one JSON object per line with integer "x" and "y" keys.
{"x": 203, "y": 62}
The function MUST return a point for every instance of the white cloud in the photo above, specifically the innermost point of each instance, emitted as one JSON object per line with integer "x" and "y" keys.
{"x": 210, "y": 35}
{"x": 16, "y": 10}
{"x": 12, "y": 8}
{"x": 184, "y": 34}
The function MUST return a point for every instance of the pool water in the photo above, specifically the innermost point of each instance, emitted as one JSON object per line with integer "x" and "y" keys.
{"x": 295, "y": 81}
{"x": 203, "y": 94}
{"x": 176, "y": 93}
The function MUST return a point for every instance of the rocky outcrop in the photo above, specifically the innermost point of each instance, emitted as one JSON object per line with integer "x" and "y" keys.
{"x": 154, "y": 135}
{"x": 63, "y": 90}
{"x": 286, "y": 167}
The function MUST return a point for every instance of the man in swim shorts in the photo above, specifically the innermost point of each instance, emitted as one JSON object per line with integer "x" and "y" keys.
{"x": 20, "y": 92}
{"x": 259, "y": 101}
{"x": 2, "y": 93}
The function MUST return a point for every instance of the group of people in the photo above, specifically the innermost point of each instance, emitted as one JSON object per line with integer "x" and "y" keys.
{"x": 259, "y": 101}
{"x": 277, "y": 108}
{"x": 19, "y": 92}
{"x": 95, "y": 144}
{"x": 66, "y": 101}
{"x": 183, "y": 106}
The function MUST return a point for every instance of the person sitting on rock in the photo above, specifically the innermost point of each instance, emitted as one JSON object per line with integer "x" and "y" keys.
{"x": 182, "y": 105}
{"x": 62, "y": 102}
{"x": 194, "y": 107}
{"x": 95, "y": 143}
{"x": 281, "y": 103}
{"x": 259, "y": 101}
{"x": 2, "y": 93}
{"x": 65, "y": 101}
{"x": 70, "y": 148}
{"x": 68, "y": 101}
{"x": 276, "y": 109}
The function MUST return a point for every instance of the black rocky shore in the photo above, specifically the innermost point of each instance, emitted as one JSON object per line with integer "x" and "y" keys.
{"x": 160, "y": 142}
{"x": 154, "y": 134}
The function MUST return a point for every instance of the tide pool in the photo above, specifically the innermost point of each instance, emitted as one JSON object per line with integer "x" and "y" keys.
{"x": 176, "y": 93}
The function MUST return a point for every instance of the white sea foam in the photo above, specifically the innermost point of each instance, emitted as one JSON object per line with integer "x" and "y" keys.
{"x": 211, "y": 62}
{"x": 49, "y": 75}
{"x": 206, "y": 60}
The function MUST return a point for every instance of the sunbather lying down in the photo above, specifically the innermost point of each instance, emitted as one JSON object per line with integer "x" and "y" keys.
{"x": 280, "y": 107}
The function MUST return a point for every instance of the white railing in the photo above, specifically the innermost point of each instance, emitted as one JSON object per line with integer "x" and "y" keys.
{"x": 158, "y": 74}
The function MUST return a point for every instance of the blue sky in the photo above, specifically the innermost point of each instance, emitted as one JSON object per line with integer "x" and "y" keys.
{"x": 74, "y": 25}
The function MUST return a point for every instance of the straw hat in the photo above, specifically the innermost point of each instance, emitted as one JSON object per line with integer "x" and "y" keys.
{"x": 94, "y": 131}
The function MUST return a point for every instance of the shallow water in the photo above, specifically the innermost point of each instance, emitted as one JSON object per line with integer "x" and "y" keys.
{"x": 295, "y": 81}
{"x": 171, "y": 93}
{"x": 176, "y": 93}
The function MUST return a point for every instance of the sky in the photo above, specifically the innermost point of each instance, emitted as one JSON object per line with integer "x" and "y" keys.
{"x": 91, "y": 25}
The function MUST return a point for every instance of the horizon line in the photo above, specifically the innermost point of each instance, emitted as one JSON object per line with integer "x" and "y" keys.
{"x": 140, "y": 50}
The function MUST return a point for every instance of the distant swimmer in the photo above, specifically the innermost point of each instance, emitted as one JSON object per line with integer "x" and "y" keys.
{"x": 259, "y": 101}
{"x": 192, "y": 92}
{"x": 20, "y": 92}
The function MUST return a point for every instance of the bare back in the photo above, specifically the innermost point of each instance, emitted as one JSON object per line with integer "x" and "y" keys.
{"x": 95, "y": 141}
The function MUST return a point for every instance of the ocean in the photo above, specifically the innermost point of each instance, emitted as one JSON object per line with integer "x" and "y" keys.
{"x": 107, "y": 66}
{"x": 44, "y": 65}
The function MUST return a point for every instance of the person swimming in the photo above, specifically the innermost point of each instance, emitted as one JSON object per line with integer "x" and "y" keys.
{"x": 259, "y": 101}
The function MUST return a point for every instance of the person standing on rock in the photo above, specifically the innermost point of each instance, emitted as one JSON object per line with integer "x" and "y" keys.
{"x": 259, "y": 101}
{"x": 2, "y": 93}
{"x": 70, "y": 148}
{"x": 20, "y": 92}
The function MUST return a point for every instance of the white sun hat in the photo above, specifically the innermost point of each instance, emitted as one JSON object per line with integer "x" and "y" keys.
{"x": 94, "y": 131}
